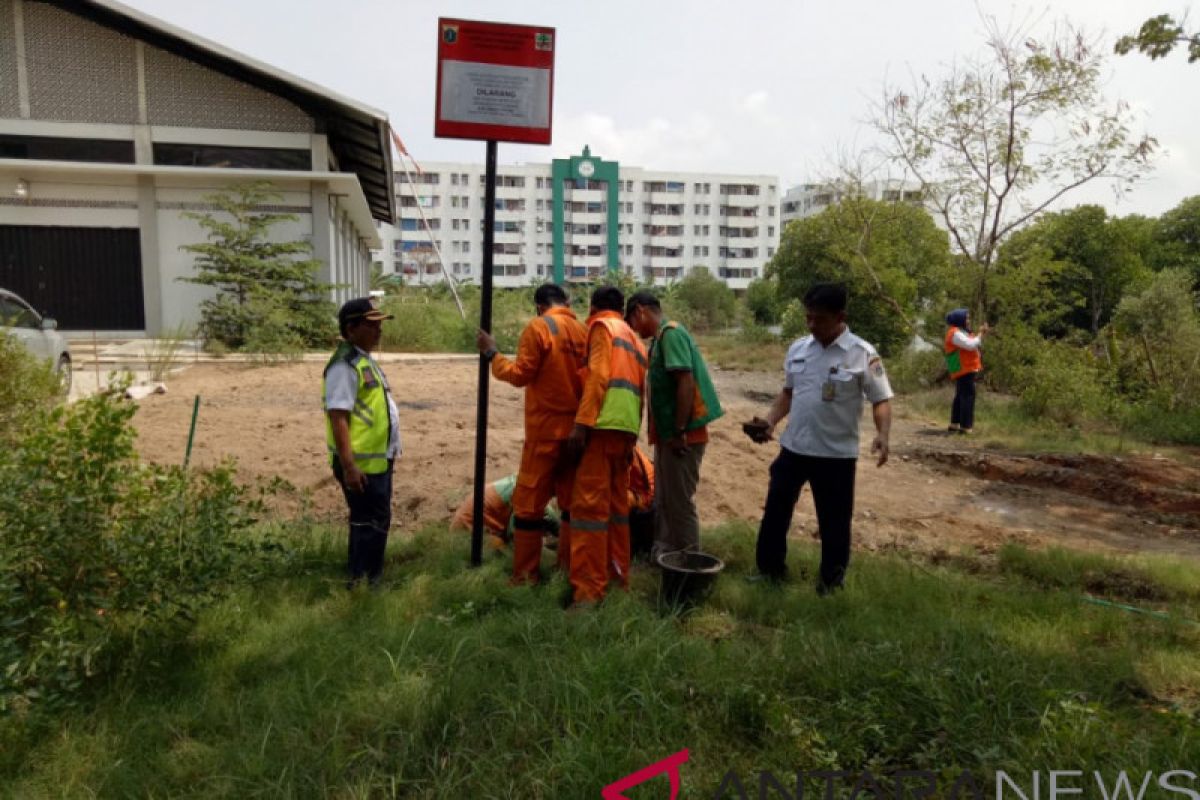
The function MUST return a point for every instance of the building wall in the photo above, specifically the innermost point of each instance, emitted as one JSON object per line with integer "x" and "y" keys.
{"x": 700, "y": 239}
{"x": 10, "y": 105}
{"x": 84, "y": 80}
{"x": 78, "y": 71}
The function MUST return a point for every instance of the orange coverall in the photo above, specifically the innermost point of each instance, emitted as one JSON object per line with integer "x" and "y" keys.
{"x": 600, "y": 500}
{"x": 549, "y": 360}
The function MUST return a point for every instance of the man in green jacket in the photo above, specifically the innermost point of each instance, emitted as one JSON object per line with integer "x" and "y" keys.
{"x": 682, "y": 403}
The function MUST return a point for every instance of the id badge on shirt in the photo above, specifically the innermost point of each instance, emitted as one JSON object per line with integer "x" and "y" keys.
{"x": 828, "y": 392}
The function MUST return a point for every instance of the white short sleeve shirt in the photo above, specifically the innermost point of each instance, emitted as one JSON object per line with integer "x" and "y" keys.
{"x": 829, "y": 386}
{"x": 341, "y": 390}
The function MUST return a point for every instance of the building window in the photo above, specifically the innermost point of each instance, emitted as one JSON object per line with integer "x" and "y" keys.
{"x": 770, "y": 211}
{"x": 217, "y": 156}
{"x": 53, "y": 148}
{"x": 454, "y": 180}
{"x": 770, "y": 252}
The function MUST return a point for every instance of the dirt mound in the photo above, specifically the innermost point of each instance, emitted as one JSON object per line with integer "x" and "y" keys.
{"x": 1147, "y": 483}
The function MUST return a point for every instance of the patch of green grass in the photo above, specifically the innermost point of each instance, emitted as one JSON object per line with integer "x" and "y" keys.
{"x": 1001, "y": 423}
{"x": 734, "y": 352}
{"x": 448, "y": 683}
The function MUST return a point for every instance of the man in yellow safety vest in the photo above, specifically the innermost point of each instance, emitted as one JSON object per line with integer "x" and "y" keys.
{"x": 362, "y": 433}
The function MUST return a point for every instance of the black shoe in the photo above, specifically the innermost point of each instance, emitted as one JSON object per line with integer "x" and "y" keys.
{"x": 826, "y": 589}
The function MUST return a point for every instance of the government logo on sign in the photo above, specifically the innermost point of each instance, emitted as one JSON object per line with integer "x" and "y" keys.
{"x": 450, "y": 34}
{"x": 543, "y": 41}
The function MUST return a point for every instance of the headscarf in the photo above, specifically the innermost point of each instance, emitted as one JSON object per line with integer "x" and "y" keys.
{"x": 958, "y": 319}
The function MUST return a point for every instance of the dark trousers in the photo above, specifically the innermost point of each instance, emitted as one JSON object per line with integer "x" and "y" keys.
{"x": 962, "y": 413}
{"x": 370, "y": 518}
{"x": 832, "y": 481}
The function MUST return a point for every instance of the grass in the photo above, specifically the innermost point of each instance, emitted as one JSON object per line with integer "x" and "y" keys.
{"x": 734, "y": 352}
{"x": 450, "y": 684}
{"x": 1001, "y": 423}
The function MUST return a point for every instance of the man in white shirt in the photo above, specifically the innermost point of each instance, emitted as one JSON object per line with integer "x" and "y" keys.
{"x": 362, "y": 434}
{"x": 828, "y": 375}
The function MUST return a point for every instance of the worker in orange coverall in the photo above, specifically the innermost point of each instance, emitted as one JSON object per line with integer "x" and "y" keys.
{"x": 605, "y": 432}
{"x": 550, "y": 358}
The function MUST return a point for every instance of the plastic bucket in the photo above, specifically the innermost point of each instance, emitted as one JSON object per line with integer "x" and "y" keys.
{"x": 687, "y": 577}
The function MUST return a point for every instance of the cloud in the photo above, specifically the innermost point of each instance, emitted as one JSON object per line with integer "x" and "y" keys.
{"x": 659, "y": 143}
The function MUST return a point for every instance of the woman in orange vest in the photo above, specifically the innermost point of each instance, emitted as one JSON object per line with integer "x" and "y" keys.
{"x": 963, "y": 362}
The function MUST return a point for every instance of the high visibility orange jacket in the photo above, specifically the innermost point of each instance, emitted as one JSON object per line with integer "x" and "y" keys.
{"x": 549, "y": 358}
{"x": 959, "y": 362}
{"x": 641, "y": 481}
{"x": 615, "y": 377}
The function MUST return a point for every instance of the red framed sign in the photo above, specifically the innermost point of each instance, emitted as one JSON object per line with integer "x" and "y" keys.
{"x": 494, "y": 81}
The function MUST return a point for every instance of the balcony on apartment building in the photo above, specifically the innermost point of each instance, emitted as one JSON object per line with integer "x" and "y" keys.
{"x": 583, "y": 273}
{"x": 662, "y": 274}
{"x": 509, "y": 231}
{"x": 669, "y": 236}
{"x": 508, "y": 205}
{"x": 666, "y": 214}
{"x": 738, "y": 257}
{"x": 739, "y": 231}
{"x": 738, "y": 211}
{"x": 506, "y": 270}
{"x": 665, "y": 192}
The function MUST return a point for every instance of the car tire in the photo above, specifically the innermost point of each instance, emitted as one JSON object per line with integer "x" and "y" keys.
{"x": 63, "y": 370}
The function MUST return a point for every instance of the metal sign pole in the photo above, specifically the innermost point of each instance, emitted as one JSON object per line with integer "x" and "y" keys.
{"x": 485, "y": 322}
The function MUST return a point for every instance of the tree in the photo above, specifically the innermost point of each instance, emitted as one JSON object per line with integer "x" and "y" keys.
{"x": 260, "y": 283}
{"x": 1069, "y": 270}
{"x": 1158, "y": 36}
{"x": 1177, "y": 239}
{"x": 892, "y": 257}
{"x": 706, "y": 303}
{"x": 762, "y": 301}
{"x": 1163, "y": 326}
{"x": 1006, "y": 134}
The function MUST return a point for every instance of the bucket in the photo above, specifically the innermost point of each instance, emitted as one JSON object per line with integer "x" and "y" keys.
{"x": 687, "y": 577}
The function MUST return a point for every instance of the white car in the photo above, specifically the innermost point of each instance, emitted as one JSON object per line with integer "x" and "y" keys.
{"x": 39, "y": 334}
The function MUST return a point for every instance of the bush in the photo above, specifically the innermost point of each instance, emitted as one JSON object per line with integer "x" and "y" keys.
{"x": 1064, "y": 385}
{"x": 29, "y": 385}
{"x": 915, "y": 370}
{"x": 703, "y": 303}
{"x": 98, "y": 551}
{"x": 762, "y": 301}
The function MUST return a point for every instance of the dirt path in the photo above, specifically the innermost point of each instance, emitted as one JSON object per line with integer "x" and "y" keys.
{"x": 937, "y": 493}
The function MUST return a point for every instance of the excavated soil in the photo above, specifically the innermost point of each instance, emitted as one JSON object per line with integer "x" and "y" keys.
{"x": 937, "y": 493}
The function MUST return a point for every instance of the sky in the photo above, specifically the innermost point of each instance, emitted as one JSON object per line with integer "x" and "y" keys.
{"x": 764, "y": 87}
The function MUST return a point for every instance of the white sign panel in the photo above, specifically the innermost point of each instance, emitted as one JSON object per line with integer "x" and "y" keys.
{"x": 493, "y": 94}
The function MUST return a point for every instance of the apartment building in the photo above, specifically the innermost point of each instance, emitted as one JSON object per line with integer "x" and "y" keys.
{"x": 578, "y": 218}
{"x": 809, "y": 199}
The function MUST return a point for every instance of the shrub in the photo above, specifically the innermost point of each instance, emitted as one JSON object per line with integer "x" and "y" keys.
{"x": 98, "y": 550}
{"x": 914, "y": 370}
{"x": 762, "y": 300}
{"x": 1064, "y": 385}
{"x": 29, "y": 385}
{"x": 702, "y": 302}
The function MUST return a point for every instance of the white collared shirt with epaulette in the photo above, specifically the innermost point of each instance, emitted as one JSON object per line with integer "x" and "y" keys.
{"x": 829, "y": 387}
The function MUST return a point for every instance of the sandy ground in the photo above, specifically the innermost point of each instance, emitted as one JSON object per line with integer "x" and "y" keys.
{"x": 937, "y": 493}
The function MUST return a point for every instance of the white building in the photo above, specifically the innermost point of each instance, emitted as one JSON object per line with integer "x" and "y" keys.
{"x": 809, "y": 199}
{"x": 114, "y": 123}
{"x": 654, "y": 225}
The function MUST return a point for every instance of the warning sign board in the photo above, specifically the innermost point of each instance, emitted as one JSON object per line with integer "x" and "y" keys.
{"x": 494, "y": 81}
